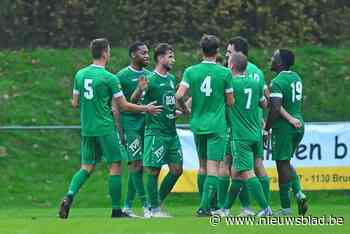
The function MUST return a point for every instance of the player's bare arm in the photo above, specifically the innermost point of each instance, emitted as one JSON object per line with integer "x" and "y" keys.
{"x": 293, "y": 121}
{"x": 150, "y": 108}
{"x": 263, "y": 102}
{"x": 180, "y": 93}
{"x": 189, "y": 103}
{"x": 229, "y": 99}
{"x": 75, "y": 100}
{"x": 116, "y": 115}
{"x": 275, "y": 111}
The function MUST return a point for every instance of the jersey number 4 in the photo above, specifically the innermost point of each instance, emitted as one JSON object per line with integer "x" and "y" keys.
{"x": 297, "y": 91}
{"x": 88, "y": 91}
{"x": 206, "y": 86}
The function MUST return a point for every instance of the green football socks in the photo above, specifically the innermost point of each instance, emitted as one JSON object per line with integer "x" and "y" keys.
{"x": 284, "y": 195}
{"x": 78, "y": 180}
{"x": 224, "y": 183}
{"x": 137, "y": 178}
{"x": 130, "y": 193}
{"x": 296, "y": 186}
{"x": 152, "y": 190}
{"x": 265, "y": 183}
{"x": 209, "y": 188}
{"x": 200, "y": 183}
{"x": 235, "y": 189}
{"x": 256, "y": 190}
{"x": 167, "y": 185}
{"x": 115, "y": 190}
{"x": 244, "y": 197}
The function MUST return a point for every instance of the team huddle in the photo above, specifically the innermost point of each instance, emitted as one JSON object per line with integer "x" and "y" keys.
{"x": 132, "y": 115}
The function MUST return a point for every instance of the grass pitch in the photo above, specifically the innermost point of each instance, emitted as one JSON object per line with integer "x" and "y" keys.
{"x": 97, "y": 221}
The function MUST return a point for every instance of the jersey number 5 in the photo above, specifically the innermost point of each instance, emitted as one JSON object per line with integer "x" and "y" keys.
{"x": 206, "y": 86}
{"x": 88, "y": 91}
{"x": 297, "y": 91}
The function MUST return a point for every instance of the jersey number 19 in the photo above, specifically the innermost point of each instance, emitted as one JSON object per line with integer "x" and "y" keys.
{"x": 297, "y": 91}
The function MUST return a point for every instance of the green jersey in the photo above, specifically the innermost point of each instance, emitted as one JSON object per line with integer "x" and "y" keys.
{"x": 96, "y": 87}
{"x": 129, "y": 78}
{"x": 245, "y": 117}
{"x": 208, "y": 83}
{"x": 162, "y": 89}
{"x": 288, "y": 86}
{"x": 254, "y": 72}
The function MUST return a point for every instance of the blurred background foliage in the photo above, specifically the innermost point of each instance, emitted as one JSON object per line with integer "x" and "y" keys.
{"x": 73, "y": 23}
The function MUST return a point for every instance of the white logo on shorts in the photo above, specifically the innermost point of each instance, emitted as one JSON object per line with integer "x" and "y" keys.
{"x": 159, "y": 153}
{"x": 135, "y": 146}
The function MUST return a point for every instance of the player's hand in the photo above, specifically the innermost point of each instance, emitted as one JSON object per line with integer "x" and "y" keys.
{"x": 266, "y": 139}
{"x": 153, "y": 109}
{"x": 143, "y": 83}
{"x": 295, "y": 122}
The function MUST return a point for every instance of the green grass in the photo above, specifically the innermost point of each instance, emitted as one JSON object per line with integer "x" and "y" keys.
{"x": 96, "y": 220}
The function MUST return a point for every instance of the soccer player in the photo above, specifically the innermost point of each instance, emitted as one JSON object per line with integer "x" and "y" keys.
{"x": 132, "y": 124}
{"x": 162, "y": 144}
{"x": 246, "y": 133}
{"x": 211, "y": 90}
{"x": 287, "y": 92}
{"x": 95, "y": 89}
{"x": 240, "y": 45}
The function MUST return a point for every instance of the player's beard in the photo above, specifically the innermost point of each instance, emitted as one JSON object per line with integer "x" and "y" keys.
{"x": 167, "y": 67}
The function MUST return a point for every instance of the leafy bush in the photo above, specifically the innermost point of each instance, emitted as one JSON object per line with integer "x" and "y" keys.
{"x": 72, "y": 23}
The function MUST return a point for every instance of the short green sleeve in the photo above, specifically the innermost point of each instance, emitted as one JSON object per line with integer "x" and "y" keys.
{"x": 186, "y": 79}
{"x": 115, "y": 86}
{"x": 76, "y": 88}
{"x": 276, "y": 89}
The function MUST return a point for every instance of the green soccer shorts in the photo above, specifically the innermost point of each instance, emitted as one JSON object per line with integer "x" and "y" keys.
{"x": 160, "y": 150}
{"x": 95, "y": 148}
{"x": 284, "y": 144}
{"x": 134, "y": 145}
{"x": 243, "y": 154}
{"x": 229, "y": 146}
{"x": 260, "y": 150}
{"x": 211, "y": 146}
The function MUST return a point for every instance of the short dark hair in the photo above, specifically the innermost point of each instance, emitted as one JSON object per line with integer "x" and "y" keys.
{"x": 210, "y": 45}
{"x": 135, "y": 46}
{"x": 97, "y": 46}
{"x": 162, "y": 49}
{"x": 287, "y": 58}
{"x": 240, "y": 61}
{"x": 240, "y": 44}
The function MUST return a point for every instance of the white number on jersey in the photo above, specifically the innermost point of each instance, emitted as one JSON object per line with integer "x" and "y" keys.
{"x": 249, "y": 93}
{"x": 297, "y": 91}
{"x": 255, "y": 76}
{"x": 89, "y": 92}
{"x": 206, "y": 86}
